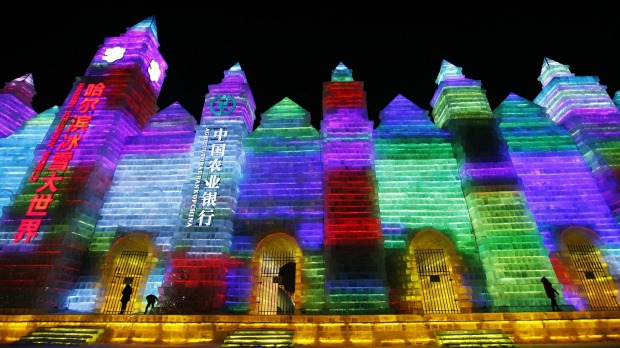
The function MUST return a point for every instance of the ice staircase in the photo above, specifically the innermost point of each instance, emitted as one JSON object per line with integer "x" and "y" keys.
{"x": 259, "y": 338}
{"x": 474, "y": 339}
{"x": 62, "y": 335}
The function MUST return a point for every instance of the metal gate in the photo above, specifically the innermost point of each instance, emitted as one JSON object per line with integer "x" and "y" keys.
{"x": 273, "y": 297}
{"x": 596, "y": 283}
{"x": 437, "y": 290}
{"x": 128, "y": 271}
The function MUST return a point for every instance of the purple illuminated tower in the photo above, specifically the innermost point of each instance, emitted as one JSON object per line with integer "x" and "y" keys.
{"x": 560, "y": 191}
{"x": 53, "y": 217}
{"x": 16, "y": 100}
{"x": 581, "y": 104}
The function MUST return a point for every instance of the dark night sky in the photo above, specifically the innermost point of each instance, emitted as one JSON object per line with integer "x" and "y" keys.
{"x": 288, "y": 49}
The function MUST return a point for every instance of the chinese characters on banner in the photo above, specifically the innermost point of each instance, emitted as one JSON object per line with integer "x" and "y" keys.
{"x": 214, "y": 158}
{"x": 60, "y": 149}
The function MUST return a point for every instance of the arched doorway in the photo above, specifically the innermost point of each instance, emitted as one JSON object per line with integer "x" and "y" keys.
{"x": 435, "y": 267}
{"x": 276, "y": 265}
{"x": 591, "y": 285}
{"x": 128, "y": 262}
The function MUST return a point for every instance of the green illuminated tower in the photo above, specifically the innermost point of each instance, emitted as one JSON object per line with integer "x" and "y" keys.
{"x": 503, "y": 224}
{"x": 424, "y": 216}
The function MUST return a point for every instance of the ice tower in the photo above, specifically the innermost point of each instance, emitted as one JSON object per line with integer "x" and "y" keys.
{"x": 16, "y": 100}
{"x": 503, "y": 224}
{"x": 564, "y": 200}
{"x": 21, "y": 130}
{"x": 51, "y": 221}
{"x": 354, "y": 250}
{"x": 279, "y": 222}
{"x": 196, "y": 276}
{"x": 582, "y": 105}
{"x": 139, "y": 216}
{"x": 431, "y": 251}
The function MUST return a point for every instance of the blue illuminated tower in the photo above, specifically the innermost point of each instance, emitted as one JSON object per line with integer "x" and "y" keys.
{"x": 279, "y": 220}
{"x": 196, "y": 277}
{"x": 140, "y": 212}
{"x": 21, "y": 130}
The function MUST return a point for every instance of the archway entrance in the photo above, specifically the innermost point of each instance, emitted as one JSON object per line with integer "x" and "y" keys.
{"x": 276, "y": 264}
{"x": 128, "y": 262}
{"x": 434, "y": 262}
{"x": 589, "y": 270}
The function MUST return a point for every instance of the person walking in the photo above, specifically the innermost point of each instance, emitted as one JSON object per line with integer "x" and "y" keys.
{"x": 551, "y": 292}
{"x": 150, "y": 303}
{"x": 127, "y": 291}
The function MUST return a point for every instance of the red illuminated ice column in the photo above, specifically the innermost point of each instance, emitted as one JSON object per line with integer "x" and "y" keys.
{"x": 355, "y": 279}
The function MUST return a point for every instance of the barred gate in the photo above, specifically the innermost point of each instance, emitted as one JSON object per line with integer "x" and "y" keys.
{"x": 596, "y": 282}
{"x": 437, "y": 290}
{"x": 272, "y": 296}
{"x": 128, "y": 271}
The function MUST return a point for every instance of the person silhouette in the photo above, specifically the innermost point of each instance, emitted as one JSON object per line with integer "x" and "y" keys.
{"x": 551, "y": 292}
{"x": 150, "y": 303}
{"x": 127, "y": 291}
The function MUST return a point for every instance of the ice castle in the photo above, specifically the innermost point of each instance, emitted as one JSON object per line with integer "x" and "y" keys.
{"x": 454, "y": 212}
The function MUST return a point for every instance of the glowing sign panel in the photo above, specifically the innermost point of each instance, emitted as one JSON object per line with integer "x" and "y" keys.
{"x": 64, "y": 141}
{"x": 223, "y": 105}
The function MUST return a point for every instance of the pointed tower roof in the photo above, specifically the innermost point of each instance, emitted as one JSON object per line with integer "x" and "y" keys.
{"x": 467, "y": 99}
{"x": 551, "y": 69}
{"x": 22, "y": 88}
{"x": 529, "y": 132}
{"x": 516, "y": 105}
{"x": 402, "y": 117}
{"x": 342, "y": 73}
{"x": 286, "y": 113}
{"x": 147, "y": 24}
{"x": 400, "y": 109}
{"x": 235, "y": 71}
{"x": 448, "y": 71}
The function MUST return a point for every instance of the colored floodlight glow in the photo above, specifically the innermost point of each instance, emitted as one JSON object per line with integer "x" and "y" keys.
{"x": 282, "y": 188}
{"x": 17, "y": 153}
{"x": 555, "y": 177}
{"x": 79, "y": 158}
{"x": 199, "y": 272}
{"x": 581, "y": 104}
{"x": 419, "y": 188}
{"x": 356, "y": 278}
{"x": 145, "y": 192}
{"x": 501, "y": 219}
{"x": 361, "y": 213}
